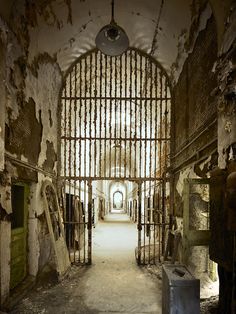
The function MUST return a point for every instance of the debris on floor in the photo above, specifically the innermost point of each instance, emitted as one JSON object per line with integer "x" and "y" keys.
{"x": 209, "y": 306}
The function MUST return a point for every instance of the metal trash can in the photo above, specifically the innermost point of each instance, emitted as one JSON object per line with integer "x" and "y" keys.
{"x": 180, "y": 291}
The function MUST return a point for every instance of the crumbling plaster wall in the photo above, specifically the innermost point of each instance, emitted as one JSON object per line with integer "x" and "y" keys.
{"x": 2, "y": 108}
{"x": 194, "y": 152}
{"x": 226, "y": 93}
{"x": 210, "y": 101}
{"x": 30, "y": 104}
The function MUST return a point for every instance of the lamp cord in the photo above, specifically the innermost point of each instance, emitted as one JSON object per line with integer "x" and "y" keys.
{"x": 112, "y": 10}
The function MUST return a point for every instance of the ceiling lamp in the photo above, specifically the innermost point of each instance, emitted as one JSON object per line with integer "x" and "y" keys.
{"x": 112, "y": 39}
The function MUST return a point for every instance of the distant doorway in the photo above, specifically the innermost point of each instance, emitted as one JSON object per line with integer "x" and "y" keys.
{"x": 118, "y": 200}
{"x": 19, "y": 194}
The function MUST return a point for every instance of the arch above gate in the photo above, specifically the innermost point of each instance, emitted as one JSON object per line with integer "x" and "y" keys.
{"x": 115, "y": 120}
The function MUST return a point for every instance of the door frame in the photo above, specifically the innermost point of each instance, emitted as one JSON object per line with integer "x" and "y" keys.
{"x": 16, "y": 233}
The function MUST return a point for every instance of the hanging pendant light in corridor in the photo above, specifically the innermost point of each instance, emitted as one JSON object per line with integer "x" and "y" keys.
{"x": 112, "y": 39}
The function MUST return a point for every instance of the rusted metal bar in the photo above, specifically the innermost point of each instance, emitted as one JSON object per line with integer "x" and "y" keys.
{"x": 130, "y": 112}
{"x": 70, "y": 163}
{"x": 113, "y": 98}
{"x": 160, "y": 121}
{"x": 145, "y": 221}
{"x": 64, "y": 111}
{"x": 140, "y": 117}
{"x": 80, "y": 158}
{"x": 90, "y": 222}
{"x": 100, "y": 116}
{"x": 85, "y": 117}
{"x": 138, "y": 139}
{"x": 156, "y": 121}
{"x": 135, "y": 113}
{"x": 150, "y": 168}
{"x": 106, "y": 119}
{"x": 121, "y": 85}
{"x": 95, "y": 111}
{"x": 116, "y": 122}
{"x": 75, "y": 156}
{"x": 139, "y": 220}
{"x": 111, "y": 111}
{"x": 90, "y": 118}
{"x": 113, "y": 178}
{"x": 126, "y": 80}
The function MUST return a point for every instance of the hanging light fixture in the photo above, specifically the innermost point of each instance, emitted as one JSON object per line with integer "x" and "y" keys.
{"x": 112, "y": 39}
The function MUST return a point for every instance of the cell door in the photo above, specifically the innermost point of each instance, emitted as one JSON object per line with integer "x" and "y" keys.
{"x": 19, "y": 196}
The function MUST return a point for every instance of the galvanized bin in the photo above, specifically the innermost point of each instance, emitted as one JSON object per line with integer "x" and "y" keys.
{"x": 180, "y": 291}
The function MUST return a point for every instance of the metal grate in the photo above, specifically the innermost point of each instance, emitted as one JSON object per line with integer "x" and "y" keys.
{"x": 115, "y": 125}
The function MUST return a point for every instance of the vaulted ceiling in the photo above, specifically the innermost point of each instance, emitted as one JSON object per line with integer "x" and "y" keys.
{"x": 66, "y": 29}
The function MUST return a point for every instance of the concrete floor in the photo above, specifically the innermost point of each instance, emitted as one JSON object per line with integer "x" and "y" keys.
{"x": 113, "y": 284}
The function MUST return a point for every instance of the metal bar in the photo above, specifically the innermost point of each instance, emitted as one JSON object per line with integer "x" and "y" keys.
{"x": 126, "y": 80}
{"x": 89, "y": 225}
{"x": 130, "y": 111}
{"x": 65, "y": 143}
{"x": 155, "y": 161}
{"x": 75, "y": 152}
{"x": 110, "y": 120}
{"x": 116, "y": 122}
{"x": 114, "y": 98}
{"x": 80, "y": 158}
{"x": 145, "y": 222}
{"x": 154, "y": 223}
{"x": 113, "y": 178}
{"x": 105, "y": 120}
{"x": 140, "y": 116}
{"x": 139, "y": 221}
{"x": 150, "y": 168}
{"x": 70, "y": 163}
{"x": 100, "y": 116}
{"x": 135, "y": 118}
{"x": 95, "y": 113}
{"x": 138, "y": 139}
{"x": 90, "y": 118}
{"x": 85, "y": 219}
{"x": 85, "y": 151}
{"x": 85, "y": 119}
{"x": 160, "y": 127}
{"x": 156, "y": 124}
{"x": 120, "y": 113}
{"x": 150, "y": 125}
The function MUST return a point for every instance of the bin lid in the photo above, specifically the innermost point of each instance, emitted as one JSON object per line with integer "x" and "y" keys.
{"x": 179, "y": 275}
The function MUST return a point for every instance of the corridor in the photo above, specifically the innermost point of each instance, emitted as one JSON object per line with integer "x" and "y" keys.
{"x": 113, "y": 284}
{"x": 118, "y": 115}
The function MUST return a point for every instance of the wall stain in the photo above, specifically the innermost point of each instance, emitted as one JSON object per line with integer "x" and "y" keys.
{"x": 51, "y": 157}
{"x": 24, "y": 135}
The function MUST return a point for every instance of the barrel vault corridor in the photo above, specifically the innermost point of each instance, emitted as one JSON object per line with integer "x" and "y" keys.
{"x": 117, "y": 156}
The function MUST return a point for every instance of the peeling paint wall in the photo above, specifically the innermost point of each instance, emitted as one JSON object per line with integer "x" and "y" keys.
{"x": 194, "y": 152}
{"x": 195, "y": 108}
{"x": 207, "y": 94}
{"x": 2, "y": 104}
{"x": 30, "y": 139}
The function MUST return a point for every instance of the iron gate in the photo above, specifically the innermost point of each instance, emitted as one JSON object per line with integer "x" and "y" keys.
{"x": 115, "y": 125}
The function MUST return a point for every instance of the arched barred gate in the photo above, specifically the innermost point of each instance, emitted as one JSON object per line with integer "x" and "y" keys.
{"x": 115, "y": 125}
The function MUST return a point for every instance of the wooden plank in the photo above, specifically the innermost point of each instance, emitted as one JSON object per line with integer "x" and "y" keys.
{"x": 57, "y": 230}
